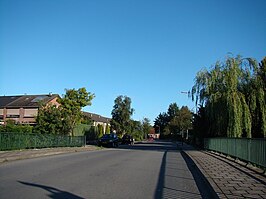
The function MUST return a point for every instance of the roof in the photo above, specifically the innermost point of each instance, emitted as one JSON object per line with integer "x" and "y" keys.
{"x": 23, "y": 101}
{"x": 97, "y": 118}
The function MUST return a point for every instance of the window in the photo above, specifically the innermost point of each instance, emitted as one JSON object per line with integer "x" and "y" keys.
{"x": 12, "y": 116}
{"x": 39, "y": 98}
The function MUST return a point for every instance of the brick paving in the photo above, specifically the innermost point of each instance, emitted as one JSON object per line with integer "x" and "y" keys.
{"x": 229, "y": 179}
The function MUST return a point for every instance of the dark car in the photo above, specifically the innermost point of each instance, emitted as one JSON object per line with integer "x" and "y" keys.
{"x": 128, "y": 139}
{"x": 108, "y": 140}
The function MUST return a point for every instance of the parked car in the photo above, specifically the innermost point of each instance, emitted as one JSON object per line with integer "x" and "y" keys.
{"x": 128, "y": 139}
{"x": 108, "y": 140}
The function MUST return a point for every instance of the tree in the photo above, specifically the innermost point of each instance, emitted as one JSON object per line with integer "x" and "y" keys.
{"x": 233, "y": 95}
{"x": 50, "y": 120}
{"x": 160, "y": 125}
{"x": 136, "y": 130}
{"x": 172, "y": 111}
{"x": 253, "y": 87}
{"x": 100, "y": 130}
{"x": 107, "y": 129}
{"x": 172, "y": 123}
{"x": 146, "y": 127}
{"x": 86, "y": 120}
{"x": 71, "y": 104}
{"x": 200, "y": 126}
{"x": 184, "y": 118}
{"x": 180, "y": 120}
{"x": 121, "y": 114}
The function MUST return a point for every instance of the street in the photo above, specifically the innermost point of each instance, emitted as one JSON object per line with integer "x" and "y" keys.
{"x": 145, "y": 170}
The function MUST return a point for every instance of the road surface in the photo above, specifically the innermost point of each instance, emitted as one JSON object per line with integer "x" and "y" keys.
{"x": 145, "y": 170}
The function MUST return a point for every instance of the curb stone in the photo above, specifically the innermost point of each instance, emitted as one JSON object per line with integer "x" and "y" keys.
{"x": 7, "y": 156}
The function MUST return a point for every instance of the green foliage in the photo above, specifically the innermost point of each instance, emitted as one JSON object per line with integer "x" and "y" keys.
{"x": 71, "y": 104}
{"x": 15, "y": 128}
{"x": 174, "y": 121}
{"x": 173, "y": 111}
{"x": 100, "y": 130}
{"x": 13, "y": 141}
{"x": 160, "y": 125}
{"x": 107, "y": 129}
{"x": 121, "y": 115}
{"x": 63, "y": 119}
{"x": 92, "y": 133}
{"x": 137, "y": 135}
{"x": 233, "y": 95}
{"x": 50, "y": 120}
{"x": 201, "y": 126}
{"x": 81, "y": 129}
{"x": 85, "y": 119}
{"x": 146, "y": 127}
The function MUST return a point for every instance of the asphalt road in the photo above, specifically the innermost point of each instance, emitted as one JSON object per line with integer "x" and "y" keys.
{"x": 145, "y": 170}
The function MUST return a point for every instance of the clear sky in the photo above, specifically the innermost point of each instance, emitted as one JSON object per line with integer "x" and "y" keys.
{"x": 149, "y": 50}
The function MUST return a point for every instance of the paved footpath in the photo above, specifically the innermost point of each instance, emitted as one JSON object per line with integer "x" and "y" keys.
{"x": 229, "y": 179}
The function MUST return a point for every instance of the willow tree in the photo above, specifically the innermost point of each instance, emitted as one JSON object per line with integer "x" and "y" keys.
{"x": 254, "y": 87}
{"x": 221, "y": 91}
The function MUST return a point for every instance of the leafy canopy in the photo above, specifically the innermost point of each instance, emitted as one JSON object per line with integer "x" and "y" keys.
{"x": 233, "y": 96}
{"x": 121, "y": 114}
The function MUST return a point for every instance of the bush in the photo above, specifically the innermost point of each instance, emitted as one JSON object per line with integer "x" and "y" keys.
{"x": 138, "y": 135}
{"x": 81, "y": 129}
{"x": 16, "y": 128}
{"x": 91, "y": 134}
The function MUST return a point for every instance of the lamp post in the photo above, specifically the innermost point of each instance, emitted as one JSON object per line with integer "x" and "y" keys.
{"x": 188, "y": 93}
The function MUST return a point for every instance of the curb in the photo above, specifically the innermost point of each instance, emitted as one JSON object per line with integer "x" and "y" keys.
{"x": 8, "y": 156}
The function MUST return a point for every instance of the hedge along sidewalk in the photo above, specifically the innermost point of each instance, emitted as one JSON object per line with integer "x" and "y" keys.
{"x": 7, "y": 156}
{"x": 17, "y": 141}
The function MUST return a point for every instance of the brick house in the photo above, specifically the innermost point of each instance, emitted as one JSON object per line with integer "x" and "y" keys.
{"x": 24, "y": 108}
{"x": 98, "y": 119}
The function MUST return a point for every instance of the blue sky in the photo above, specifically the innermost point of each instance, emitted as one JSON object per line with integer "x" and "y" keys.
{"x": 149, "y": 50}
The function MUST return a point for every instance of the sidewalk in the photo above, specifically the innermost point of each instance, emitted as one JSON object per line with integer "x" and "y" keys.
{"x": 6, "y": 156}
{"x": 228, "y": 178}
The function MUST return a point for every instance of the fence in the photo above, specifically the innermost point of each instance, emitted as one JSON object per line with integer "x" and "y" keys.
{"x": 250, "y": 150}
{"x": 13, "y": 141}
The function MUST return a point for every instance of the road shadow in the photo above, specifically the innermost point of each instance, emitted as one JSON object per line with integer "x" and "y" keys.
{"x": 160, "y": 183}
{"x": 165, "y": 191}
{"x": 53, "y": 192}
{"x": 160, "y": 146}
{"x": 202, "y": 183}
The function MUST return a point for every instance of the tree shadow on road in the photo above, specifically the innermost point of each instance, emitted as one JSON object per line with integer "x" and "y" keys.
{"x": 163, "y": 191}
{"x": 53, "y": 192}
{"x": 202, "y": 183}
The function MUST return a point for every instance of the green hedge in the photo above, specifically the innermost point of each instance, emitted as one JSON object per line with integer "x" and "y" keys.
{"x": 14, "y": 141}
{"x": 82, "y": 129}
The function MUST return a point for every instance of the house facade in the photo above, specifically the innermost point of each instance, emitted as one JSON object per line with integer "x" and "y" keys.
{"x": 23, "y": 109}
{"x": 153, "y": 134}
{"x": 98, "y": 120}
